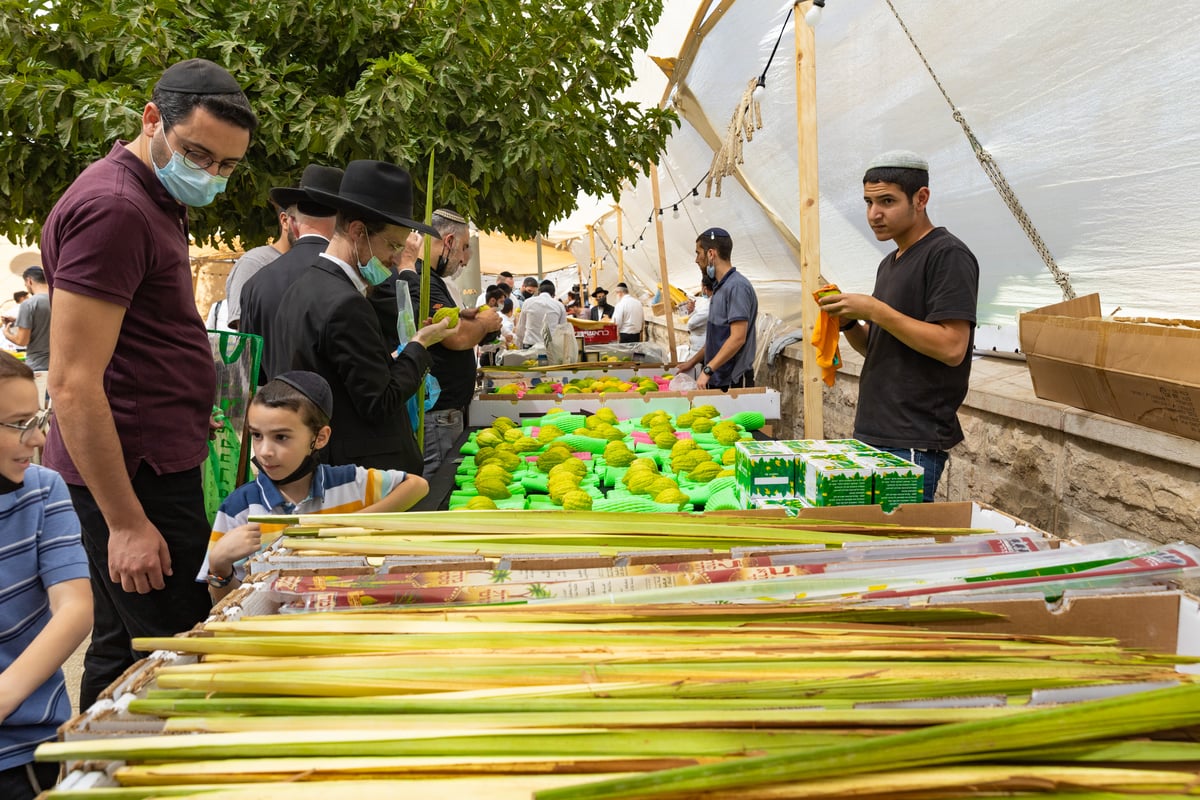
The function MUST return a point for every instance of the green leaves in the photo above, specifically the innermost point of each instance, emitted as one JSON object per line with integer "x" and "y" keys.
{"x": 518, "y": 102}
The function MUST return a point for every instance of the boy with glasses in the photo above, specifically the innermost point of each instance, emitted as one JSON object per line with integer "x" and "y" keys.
{"x": 46, "y": 603}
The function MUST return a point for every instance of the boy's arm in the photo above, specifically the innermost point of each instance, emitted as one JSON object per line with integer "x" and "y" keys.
{"x": 402, "y": 497}
{"x": 70, "y": 622}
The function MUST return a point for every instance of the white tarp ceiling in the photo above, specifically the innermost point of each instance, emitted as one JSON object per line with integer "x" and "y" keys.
{"x": 1092, "y": 112}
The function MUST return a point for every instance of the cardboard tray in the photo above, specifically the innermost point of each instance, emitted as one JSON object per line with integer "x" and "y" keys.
{"x": 1144, "y": 373}
{"x": 485, "y": 409}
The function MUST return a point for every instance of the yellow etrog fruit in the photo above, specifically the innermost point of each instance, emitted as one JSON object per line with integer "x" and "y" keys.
{"x": 681, "y": 446}
{"x": 480, "y": 503}
{"x": 703, "y": 473}
{"x": 641, "y": 482}
{"x": 493, "y": 488}
{"x": 577, "y": 500}
{"x": 552, "y": 458}
{"x": 671, "y": 497}
{"x": 447, "y": 313}
{"x": 488, "y": 437}
{"x": 617, "y": 454}
{"x": 548, "y": 433}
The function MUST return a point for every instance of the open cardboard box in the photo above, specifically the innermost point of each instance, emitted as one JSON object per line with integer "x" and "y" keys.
{"x": 1143, "y": 373}
{"x": 485, "y": 409}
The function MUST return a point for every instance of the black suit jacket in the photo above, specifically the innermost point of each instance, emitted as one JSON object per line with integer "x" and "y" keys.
{"x": 594, "y": 315}
{"x": 325, "y": 326}
{"x": 262, "y": 294}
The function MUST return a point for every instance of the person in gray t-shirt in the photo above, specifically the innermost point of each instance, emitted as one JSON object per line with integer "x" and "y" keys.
{"x": 730, "y": 335}
{"x": 31, "y": 327}
{"x": 254, "y": 260}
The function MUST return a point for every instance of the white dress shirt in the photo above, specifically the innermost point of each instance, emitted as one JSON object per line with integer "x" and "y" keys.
{"x": 629, "y": 315}
{"x": 538, "y": 313}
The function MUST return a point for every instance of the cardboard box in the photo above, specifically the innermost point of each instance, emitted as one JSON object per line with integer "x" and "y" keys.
{"x": 838, "y": 480}
{"x": 764, "y": 469}
{"x": 1143, "y": 373}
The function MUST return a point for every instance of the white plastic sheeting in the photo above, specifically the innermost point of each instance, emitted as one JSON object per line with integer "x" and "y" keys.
{"x": 1091, "y": 110}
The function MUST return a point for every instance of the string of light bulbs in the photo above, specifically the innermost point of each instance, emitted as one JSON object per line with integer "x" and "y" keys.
{"x": 694, "y": 194}
{"x": 812, "y": 17}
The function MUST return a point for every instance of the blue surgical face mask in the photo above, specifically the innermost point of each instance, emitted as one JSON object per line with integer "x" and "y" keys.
{"x": 711, "y": 271}
{"x": 192, "y": 187}
{"x": 373, "y": 272}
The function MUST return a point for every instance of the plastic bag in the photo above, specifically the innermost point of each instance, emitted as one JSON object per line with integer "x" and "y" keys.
{"x": 560, "y": 344}
{"x": 237, "y": 359}
{"x": 406, "y": 329}
{"x": 683, "y": 382}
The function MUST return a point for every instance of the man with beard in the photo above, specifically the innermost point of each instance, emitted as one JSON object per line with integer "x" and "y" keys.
{"x": 454, "y": 363}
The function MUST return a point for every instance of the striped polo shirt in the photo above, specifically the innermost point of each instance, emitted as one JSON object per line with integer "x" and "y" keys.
{"x": 341, "y": 489}
{"x": 39, "y": 547}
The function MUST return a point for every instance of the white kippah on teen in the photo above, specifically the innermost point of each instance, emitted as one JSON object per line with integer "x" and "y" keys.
{"x": 899, "y": 159}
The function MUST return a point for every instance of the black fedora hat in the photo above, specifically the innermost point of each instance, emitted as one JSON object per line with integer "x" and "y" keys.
{"x": 315, "y": 176}
{"x": 381, "y": 191}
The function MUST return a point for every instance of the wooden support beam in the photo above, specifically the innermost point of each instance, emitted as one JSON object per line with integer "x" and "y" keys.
{"x": 664, "y": 276}
{"x": 810, "y": 216}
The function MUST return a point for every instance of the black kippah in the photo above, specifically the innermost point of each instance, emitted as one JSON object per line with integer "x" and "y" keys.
{"x": 198, "y": 76}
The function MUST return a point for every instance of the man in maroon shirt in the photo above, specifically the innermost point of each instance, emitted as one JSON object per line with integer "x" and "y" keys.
{"x": 134, "y": 380}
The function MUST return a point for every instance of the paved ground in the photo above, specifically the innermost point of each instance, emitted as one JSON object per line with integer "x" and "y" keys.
{"x": 73, "y": 669}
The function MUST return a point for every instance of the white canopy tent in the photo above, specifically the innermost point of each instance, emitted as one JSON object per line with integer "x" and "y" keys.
{"x": 1091, "y": 111}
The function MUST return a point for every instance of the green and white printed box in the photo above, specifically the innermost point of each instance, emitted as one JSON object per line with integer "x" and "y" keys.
{"x": 806, "y": 449}
{"x": 764, "y": 469}
{"x": 896, "y": 480}
{"x": 838, "y": 480}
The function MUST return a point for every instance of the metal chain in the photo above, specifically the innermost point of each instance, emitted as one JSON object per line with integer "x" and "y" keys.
{"x": 992, "y": 169}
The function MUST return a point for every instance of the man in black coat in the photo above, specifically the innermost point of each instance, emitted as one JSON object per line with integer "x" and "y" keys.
{"x": 326, "y": 324}
{"x": 600, "y": 309}
{"x": 312, "y": 224}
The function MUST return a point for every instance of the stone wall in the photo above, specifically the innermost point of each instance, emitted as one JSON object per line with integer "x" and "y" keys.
{"x": 1071, "y": 472}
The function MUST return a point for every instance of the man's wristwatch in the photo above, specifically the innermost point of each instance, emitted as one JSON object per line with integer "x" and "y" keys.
{"x": 846, "y": 326}
{"x": 217, "y": 582}
{"x": 707, "y": 370}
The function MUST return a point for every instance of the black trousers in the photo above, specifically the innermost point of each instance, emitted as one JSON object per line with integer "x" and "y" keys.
{"x": 175, "y": 504}
{"x": 27, "y": 781}
{"x": 623, "y": 338}
{"x": 744, "y": 382}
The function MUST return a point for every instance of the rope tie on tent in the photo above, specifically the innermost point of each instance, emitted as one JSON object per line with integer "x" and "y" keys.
{"x": 747, "y": 118}
{"x": 992, "y": 170}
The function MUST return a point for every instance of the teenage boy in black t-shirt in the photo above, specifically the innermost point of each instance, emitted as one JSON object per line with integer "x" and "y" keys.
{"x": 917, "y": 329}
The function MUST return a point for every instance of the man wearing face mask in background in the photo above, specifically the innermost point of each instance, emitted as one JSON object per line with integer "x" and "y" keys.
{"x": 454, "y": 363}
{"x": 730, "y": 339}
{"x": 529, "y": 289}
{"x": 326, "y": 325}
{"x": 133, "y": 379}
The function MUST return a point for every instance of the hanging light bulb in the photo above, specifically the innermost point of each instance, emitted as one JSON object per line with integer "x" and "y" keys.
{"x": 696, "y": 195}
{"x": 813, "y": 17}
{"x": 675, "y": 212}
{"x": 760, "y": 86}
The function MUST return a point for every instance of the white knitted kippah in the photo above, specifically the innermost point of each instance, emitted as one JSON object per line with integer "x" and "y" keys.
{"x": 901, "y": 159}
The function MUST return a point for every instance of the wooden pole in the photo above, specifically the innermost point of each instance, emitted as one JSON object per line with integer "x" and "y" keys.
{"x": 810, "y": 217}
{"x": 664, "y": 276}
{"x": 592, "y": 247}
{"x": 539, "y": 257}
{"x": 621, "y": 246}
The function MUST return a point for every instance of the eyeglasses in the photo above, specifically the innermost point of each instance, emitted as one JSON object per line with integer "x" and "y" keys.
{"x": 200, "y": 160}
{"x": 38, "y": 422}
